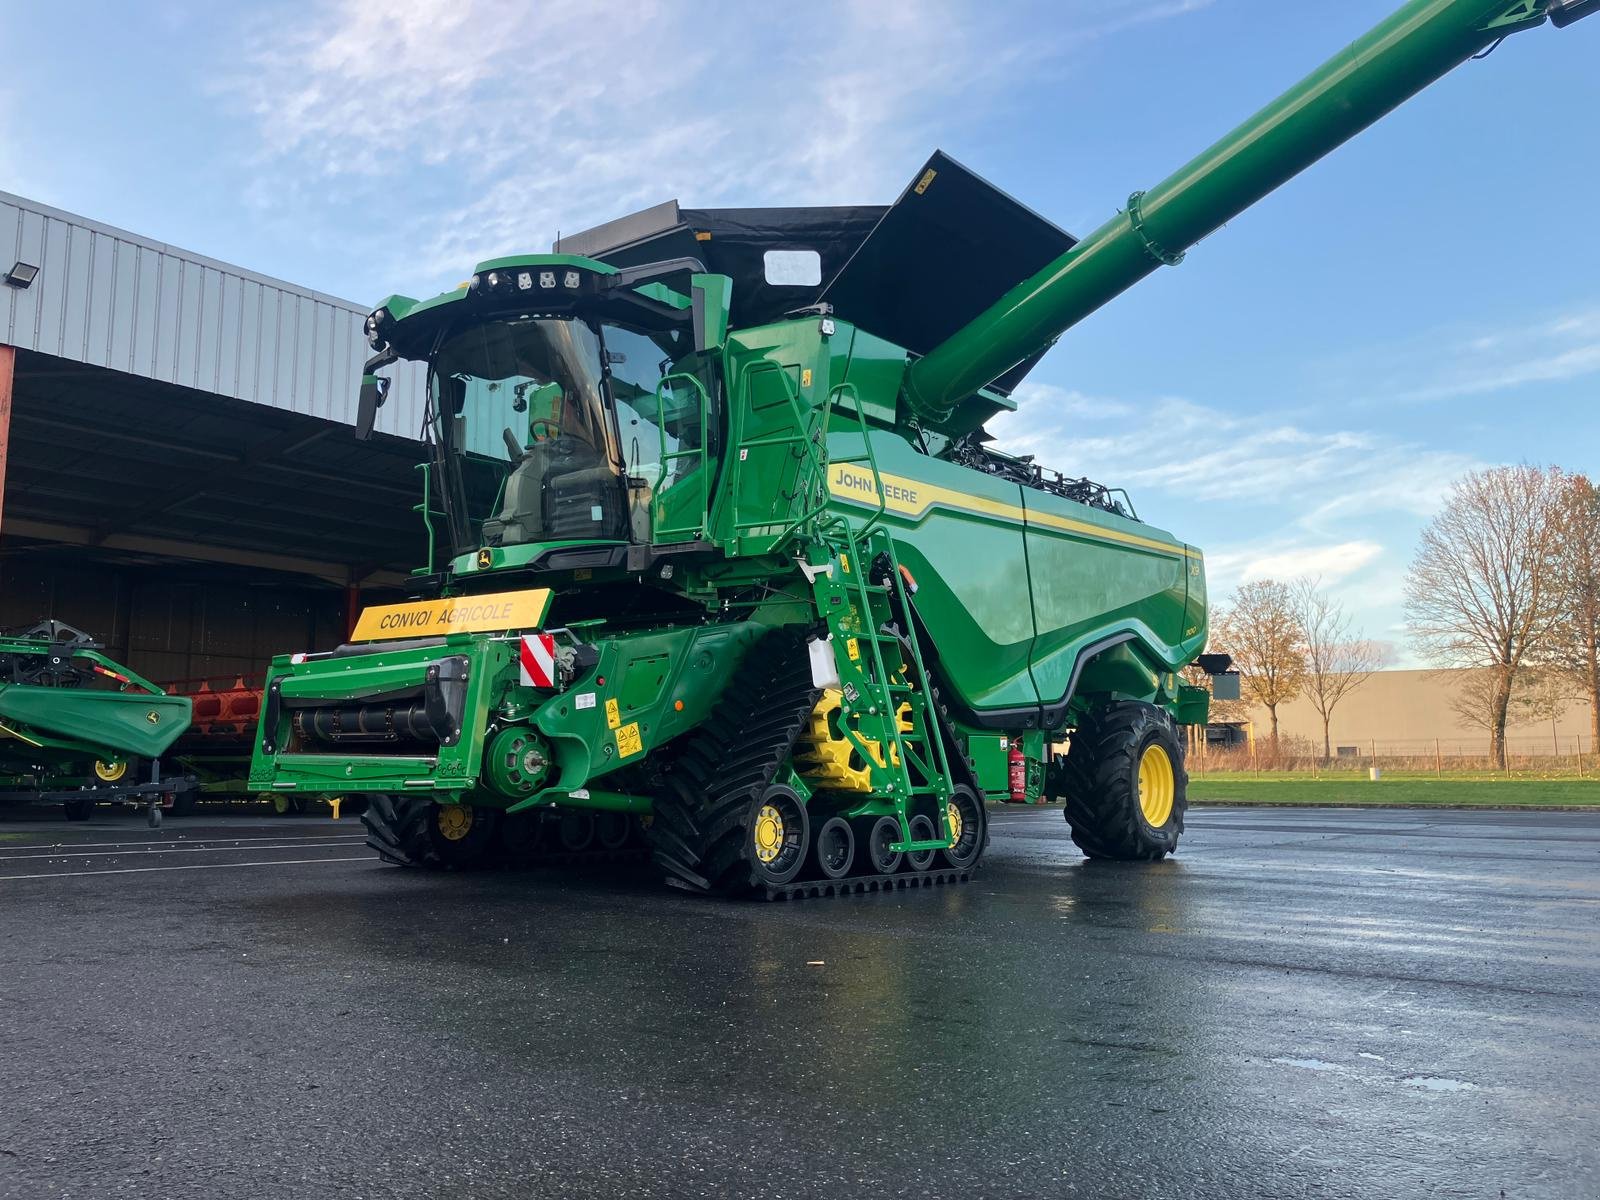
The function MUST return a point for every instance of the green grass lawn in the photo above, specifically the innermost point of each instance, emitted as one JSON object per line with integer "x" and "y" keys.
{"x": 1480, "y": 792}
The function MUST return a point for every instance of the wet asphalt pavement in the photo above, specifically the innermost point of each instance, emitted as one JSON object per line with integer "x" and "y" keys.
{"x": 1304, "y": 1003}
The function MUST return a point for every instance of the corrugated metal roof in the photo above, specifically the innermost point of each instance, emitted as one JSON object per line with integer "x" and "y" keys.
{"x": 114, "y": 299}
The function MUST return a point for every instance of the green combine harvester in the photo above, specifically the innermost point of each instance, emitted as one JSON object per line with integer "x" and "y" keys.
{"x": 720, "y": 553}
{"x": 78, "y": 729}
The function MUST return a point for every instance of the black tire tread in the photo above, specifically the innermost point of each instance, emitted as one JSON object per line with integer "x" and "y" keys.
{"x": 1101, "y": 807}
{"x": 698, "y": 833}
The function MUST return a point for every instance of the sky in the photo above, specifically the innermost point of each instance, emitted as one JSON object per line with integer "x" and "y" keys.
{"x": 1295, "y": 398}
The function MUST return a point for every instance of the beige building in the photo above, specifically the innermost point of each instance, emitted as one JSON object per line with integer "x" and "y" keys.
{"x": 1398, "y": 713}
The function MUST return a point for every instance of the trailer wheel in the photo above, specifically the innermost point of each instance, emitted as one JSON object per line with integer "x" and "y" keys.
{"x": 1125, "y": 786}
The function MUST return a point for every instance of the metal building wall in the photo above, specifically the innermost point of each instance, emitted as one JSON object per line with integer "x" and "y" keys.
{"x": 170, "y": 628}
{"x": 113, "y": 299}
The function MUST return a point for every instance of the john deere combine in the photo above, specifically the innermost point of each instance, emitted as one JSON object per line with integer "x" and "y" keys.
{"x": 719, "y": 542}
{"x": 77, "y": 728}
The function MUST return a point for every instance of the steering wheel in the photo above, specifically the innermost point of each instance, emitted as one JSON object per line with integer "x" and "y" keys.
{"x": 545, "y": 423}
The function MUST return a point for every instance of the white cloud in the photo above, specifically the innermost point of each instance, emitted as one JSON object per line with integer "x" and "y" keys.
{"x": 1443, "y": 364}
{"x": 1332, "y": 563}
{"x": 485, "y": 126}
{"x": 1315, "y": 478}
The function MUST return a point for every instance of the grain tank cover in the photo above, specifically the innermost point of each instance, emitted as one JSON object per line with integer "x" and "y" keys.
{"x": 947, "y": 249}
{"x": 733, "y": 242}
{"x": 913, "y": 272}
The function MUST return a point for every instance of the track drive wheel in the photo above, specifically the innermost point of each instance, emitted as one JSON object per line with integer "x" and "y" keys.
{"x": 833, "y": 849}
{"x": 414, "y": 831}
{"x": 969, "y": 828}
{"x": 877, "y": 837}
{"x": 767, "y": 847}
{"x": 462, "y": 833}
{"x": 722, "y": 821}
{"x": 1125, "y": 785}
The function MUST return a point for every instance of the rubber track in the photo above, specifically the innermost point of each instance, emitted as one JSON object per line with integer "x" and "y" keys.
{"x": 696, "y": 836}
{"x": 851, "y": 885}
{"x": 398, "y": 834}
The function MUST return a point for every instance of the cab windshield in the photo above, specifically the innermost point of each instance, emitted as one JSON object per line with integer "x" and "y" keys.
{"x": 548, "y": 430}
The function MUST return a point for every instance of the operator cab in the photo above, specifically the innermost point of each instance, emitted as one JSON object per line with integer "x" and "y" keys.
{"x": 583, "y": 417}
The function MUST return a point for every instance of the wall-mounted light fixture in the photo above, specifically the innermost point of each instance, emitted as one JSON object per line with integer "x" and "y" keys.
{"x": 21, "y": 274}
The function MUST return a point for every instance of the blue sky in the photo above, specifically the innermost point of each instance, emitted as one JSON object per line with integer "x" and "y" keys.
{"x": 1295, "y": 398}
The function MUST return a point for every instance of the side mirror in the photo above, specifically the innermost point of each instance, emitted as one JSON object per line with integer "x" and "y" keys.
{"x": 374, "y": 391}
{"x": 709, "y": 299}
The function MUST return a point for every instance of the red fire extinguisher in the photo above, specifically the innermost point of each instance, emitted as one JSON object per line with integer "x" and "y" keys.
{"x": 1018, "y": 762}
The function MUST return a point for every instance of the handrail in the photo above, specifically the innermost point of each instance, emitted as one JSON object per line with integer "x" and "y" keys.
{"x": 673, "y": 456}
{"x": 801, "y": 435}
{"x": 426, "y": 509}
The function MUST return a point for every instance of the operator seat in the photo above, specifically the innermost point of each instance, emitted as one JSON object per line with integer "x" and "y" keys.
{"x": 561, "y": 487}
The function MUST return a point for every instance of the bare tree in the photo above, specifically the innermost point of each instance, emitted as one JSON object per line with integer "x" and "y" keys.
{"x": 1260, "y": 629}
{"x": 1574, "y": 645}
{"x": 1480, "y": 592}
{"x": 1337, "y": 661}
{"x": 1537, "y": 694}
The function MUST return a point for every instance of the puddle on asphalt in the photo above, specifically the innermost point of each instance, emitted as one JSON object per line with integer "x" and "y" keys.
{"x": 1373, "y": 1057}
{"x": 1309, "y": 1064}
{"x": 1434, "y": 1084}
{"x": 1430, "y": 1083}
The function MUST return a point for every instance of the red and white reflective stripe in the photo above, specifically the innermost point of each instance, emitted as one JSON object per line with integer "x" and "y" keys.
{"x": 538, "y": 660}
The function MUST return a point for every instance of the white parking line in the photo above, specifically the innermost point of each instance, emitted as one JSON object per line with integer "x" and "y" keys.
{"x": 155, "y": 848}
{"x": 271, "y": 837}
{"x": 280, "y": 862}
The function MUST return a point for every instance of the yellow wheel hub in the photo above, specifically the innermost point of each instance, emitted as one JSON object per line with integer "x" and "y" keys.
{"x": 768, "y": 834}
{"x": 455, "y": 821}
{"x": 110, "y": 772}
{"x": 1158, "y": 786}
{"x": 952, "y": 814}
{"x": 828, "y": 758}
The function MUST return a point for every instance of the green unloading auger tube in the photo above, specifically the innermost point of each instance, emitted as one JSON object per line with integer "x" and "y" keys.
{"x": 1375, "y": 74}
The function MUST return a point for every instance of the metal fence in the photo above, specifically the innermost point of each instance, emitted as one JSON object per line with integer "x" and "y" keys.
{"x": 1547, "y": 754}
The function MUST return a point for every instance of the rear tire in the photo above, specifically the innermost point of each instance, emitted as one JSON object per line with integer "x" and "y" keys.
{"x": 1125, "y": 785}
